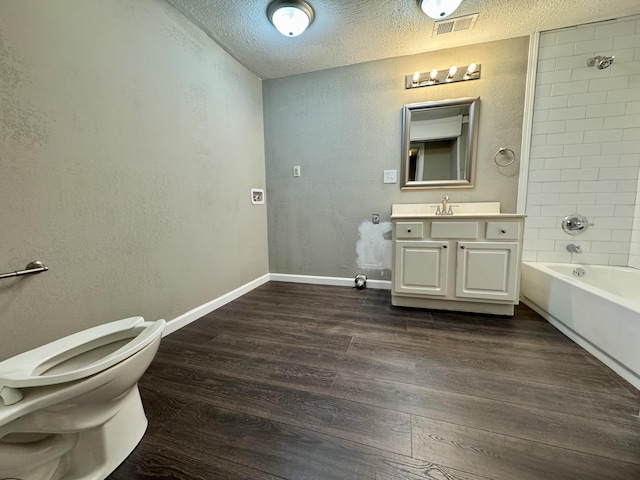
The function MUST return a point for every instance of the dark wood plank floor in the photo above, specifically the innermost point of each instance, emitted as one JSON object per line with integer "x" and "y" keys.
{"x": 298, "y": 382}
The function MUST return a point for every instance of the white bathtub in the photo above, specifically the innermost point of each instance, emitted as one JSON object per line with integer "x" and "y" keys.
{"x": 599, "y": 311}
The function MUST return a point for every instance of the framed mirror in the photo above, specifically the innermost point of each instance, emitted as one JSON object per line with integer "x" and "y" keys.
{"x": 439, "y": 143}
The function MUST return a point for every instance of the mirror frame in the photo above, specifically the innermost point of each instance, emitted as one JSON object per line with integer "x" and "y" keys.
{"x": 472, "y": 143}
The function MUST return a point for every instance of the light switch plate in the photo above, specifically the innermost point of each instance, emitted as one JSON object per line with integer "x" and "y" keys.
{"x": 296, "y": 171}
{"x": 390, "y": 176}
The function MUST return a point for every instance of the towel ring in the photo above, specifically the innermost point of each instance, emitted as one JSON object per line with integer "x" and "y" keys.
{"x": 501, "y": 151}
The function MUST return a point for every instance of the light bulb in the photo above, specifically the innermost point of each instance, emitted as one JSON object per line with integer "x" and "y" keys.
{"x": 452, "y": 72}
{"x": 439, "y": 9}
{"x": 433, "y": 74}
{"x": 416, "y": 78}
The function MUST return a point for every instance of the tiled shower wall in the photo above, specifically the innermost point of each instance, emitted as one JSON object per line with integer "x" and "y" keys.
{"x": 585, "y": 149}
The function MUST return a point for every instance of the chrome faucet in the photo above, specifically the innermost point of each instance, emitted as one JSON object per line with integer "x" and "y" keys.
{"x": 573, "y": 248}
{"x": 444, "y": 209}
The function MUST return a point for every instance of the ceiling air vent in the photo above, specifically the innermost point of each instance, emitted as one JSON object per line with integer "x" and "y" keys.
{"x": 455, "y": 24}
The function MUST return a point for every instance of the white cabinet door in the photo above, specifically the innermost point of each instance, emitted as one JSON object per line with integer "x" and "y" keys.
{"x": 487, "y": 270}
{"x": 421, "y": 267}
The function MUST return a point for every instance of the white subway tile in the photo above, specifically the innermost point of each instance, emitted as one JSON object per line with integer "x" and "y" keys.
{"x": 614, "y": 223}
{"x": 634, "y": 80}
{"x": 616, "y": 199}
{"x": 618, "y": 260}
{"x": 580, "y": 198}
{"x": 598, "y": 46}
{"x": 624, "y": 211}
{"x": 610, "y": 247}
{"x": 623, "y": 96}
{"x": 548, "y": 175}
{"x": 574, "y": 61}
{"x": 630, "y": 160}
{"x": 631, "y": 134}
{"x": 551, "y": 102}
{"x": 561, "y": 163}
{"x": 584, "y": 150}
{"x": 542, "y": 199}
{"x": 577, "y": 35}
{"x": 567, "y": 113}
{"x": 584, "y": 124}
{"x": 608, "y": 84}
{"x": 533, "y": 210}
{"x": 543, "y": 115}
{"x": 554, "y": 257}
{"x": 534, "y": 187}
{"x": 609, "y": 110}
{"x": 610, "y": 186}
{"x": 618, "y": 173}
{"x": 548, "y": 39}
{"x": 537, "y": 244}
{"x": 595, "y": 234}
{"x": 600, "y": 136}
{"x": 634, "y": 261}
{"x": 546, "y": 151}
{"x": 543, "y": 91}
{"x": 555, "y": 51}
{"x": 588, "y": 73}
{"x": 621, "y": 235}
{"x": 578, "y": 174}
{"x": 602, "y": 161}
{"x": 561, "y": 245}
{"x": 615, "y": 29}
{"x": 564, "y": 138}
{"x": 558, "y": 211}
{"x": 625, "y": 121}
{"x": 591, "y": 259}
{"x": 531, "y": 233}
{"x": 593, "y": 211}
{"x": 632, "y": 108}
{"x": 569, "y": 88}
{"x": 556, "y": 76}
{"x": 547, "y": 65}
{"x": 541, "y": 222}
{"x": 594, "y": 98}
{"x": 551, "y": 234}
{"x": 561, "y": 187}
{"x": 625, "y": 186}
{"x": 627, "y": 41}
{"x": 529, "y": 256}
{"x": 621, "y": 148}
{"x": 551, "y": 127}
{"x": 536, "y": 164}
{"x": 625, "y": 69}
{"x": 541, "y": 140}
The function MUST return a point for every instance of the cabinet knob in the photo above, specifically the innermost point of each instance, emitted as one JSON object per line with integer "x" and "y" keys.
{"x": 408, "y": 230}
{"x": 462, "y": 247}
{"x": 444, "y": 246}
{"x": 503, "y": 231}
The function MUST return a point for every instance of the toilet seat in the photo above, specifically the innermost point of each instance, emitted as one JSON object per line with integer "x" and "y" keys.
{"x": 29, "y": 369}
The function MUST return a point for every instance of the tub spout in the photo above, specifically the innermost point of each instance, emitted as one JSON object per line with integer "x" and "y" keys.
{"x": 573, "y": 248}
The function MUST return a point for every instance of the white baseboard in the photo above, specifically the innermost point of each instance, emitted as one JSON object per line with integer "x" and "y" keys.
{"x": 194, "y": 314}
{"x": 335, "y": 281}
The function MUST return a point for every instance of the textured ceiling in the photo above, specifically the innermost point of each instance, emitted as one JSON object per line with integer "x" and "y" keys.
{"x": 353, "y": 31}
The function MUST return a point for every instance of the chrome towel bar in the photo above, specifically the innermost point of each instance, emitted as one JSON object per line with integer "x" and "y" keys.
{"x": 32, "y": 267}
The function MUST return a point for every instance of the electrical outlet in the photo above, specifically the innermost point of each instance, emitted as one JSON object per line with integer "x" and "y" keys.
{"x": 296, "y": 171}
{"x": 390, "y": 176}
{"x": 375, "y": 218}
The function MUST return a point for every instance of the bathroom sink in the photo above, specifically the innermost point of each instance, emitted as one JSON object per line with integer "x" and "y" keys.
{"x": 400, "y": 210}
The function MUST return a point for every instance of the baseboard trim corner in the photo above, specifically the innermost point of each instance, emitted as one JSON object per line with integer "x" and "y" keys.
{"x": 195, "y": 313}
{"x": 334, "y": 281}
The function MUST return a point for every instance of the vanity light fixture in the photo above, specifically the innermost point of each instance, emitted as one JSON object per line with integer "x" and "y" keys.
{"x": 290, "y": 17}
{"x": 451, "y": 75}
{"x": 439, "y": 9}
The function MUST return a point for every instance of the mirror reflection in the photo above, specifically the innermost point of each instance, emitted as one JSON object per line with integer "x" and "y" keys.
{"x": 439, "y": 143}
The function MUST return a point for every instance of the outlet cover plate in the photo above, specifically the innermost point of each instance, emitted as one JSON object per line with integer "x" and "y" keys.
{"x": 390, "y": 176}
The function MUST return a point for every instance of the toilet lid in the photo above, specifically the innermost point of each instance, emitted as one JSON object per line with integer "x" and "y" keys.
{"x": 28, "y": 369}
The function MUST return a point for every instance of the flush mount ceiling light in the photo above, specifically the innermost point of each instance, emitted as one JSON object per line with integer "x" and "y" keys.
{"x": 291, "y": 17}
{"x": 438, "y": 9}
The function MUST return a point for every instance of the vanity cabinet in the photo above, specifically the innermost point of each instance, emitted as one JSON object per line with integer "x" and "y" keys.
{"x": 465, "y": 262}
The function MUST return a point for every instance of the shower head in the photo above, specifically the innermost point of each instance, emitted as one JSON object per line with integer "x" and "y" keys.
{"x": 600, "y": 62}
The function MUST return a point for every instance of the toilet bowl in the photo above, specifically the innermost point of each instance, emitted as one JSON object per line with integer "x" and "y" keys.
{"x": 71, "y": 410}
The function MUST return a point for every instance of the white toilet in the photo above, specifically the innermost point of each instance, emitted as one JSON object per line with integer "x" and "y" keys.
{"x": 71, "y": 409}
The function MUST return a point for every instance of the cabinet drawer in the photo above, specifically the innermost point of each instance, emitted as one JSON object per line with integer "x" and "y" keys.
{"x": 503, "y": 231}
{"x": 465, "y": 230}
{"x": 409, "y": 229}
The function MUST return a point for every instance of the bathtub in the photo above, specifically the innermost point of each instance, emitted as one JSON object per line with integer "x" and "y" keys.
{"x": 600, "y": 311}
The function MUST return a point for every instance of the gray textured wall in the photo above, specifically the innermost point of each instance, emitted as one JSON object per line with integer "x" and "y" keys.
{"x": 129, "y": 142}
{"x": 343, "y": 127}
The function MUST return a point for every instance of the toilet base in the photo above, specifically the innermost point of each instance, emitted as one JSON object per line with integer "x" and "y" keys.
{"x": 101, "y": 450}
